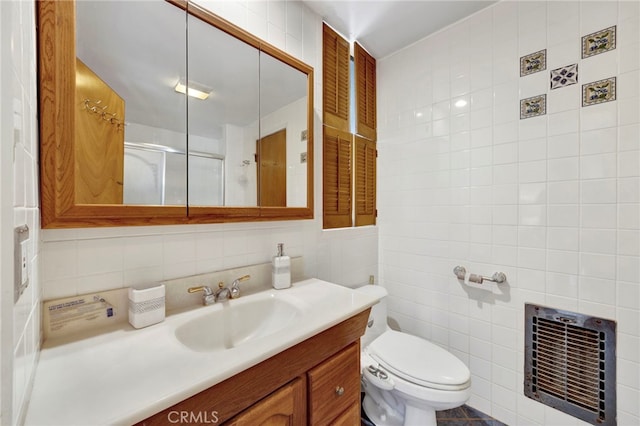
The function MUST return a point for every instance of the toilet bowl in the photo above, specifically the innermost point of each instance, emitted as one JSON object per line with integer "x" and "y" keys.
{"x": 405, "y": 378}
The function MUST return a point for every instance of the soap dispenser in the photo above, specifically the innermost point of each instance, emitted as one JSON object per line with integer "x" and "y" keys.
{"x": 281, "y": 270}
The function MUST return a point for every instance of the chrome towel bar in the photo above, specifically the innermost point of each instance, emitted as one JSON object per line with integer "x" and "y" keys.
{"x": 461, "y": 273}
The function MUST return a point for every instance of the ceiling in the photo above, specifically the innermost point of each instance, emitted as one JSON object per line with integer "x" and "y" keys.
{"x": 385, "y": 26}
{"x": 143, "y": 67}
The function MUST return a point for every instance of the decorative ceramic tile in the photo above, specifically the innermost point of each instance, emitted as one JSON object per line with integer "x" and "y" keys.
{"x": 599, "y": 42}
{"x": 533, "y": 107}
{"x": 534, "y": 62}
{"x": 599, "y": 91}
{"x": 565, "y": 76}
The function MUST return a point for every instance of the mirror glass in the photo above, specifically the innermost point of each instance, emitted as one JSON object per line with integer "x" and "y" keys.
{"x": 225, "y": 71}
{"x": 131, "y": 123}
{"x": 238, "y": 140}
{"x": 282, "y": 144}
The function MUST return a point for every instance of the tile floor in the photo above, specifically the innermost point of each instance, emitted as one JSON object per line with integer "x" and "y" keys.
{"x": 466, "y": 416}
{"x": 461, "y": 416}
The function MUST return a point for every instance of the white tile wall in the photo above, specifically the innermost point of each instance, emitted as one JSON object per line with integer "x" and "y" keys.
{"x": 552, "y": 201}
{"x": 20, "y": 341}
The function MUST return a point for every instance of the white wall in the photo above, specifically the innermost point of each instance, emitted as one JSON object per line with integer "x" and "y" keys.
{"x": 83, "y": 260}
{"x": 552, "y": 201}
{"x": 20, "y": 330}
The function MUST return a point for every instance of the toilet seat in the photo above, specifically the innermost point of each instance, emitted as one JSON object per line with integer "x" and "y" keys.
{"x": 419, "y": 361}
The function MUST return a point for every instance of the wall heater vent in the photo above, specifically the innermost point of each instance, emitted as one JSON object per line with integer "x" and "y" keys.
{"x": 570, "y": 363}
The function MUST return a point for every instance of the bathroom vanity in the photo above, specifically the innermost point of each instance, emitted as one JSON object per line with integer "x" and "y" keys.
{"x": 323, "y": 370}
{"x": 289, "y": 354}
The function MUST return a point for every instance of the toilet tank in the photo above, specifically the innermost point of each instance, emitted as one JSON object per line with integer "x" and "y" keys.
{"x": 378, "y": 315}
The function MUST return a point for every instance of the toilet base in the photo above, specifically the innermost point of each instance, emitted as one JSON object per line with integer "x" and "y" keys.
{"x": 423, "y": 416}
{"x": 384, "y": 414}
{"x": 379, "y": 415}
{"x": 412, "y": 416}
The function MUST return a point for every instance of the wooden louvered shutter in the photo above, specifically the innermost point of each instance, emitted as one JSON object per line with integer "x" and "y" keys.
{"x": 336, "y": 178}
{"x": 365, "y": 75}
{"x": 335, "y": 79}
{"x": 365, "y": 181}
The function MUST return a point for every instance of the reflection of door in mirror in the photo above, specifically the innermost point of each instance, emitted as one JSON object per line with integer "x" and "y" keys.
{"x": 272, "y": 169}
{"x": 99, "y": 136}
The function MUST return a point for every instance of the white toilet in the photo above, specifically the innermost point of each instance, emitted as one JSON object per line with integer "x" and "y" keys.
{"x": 406, "y": 379}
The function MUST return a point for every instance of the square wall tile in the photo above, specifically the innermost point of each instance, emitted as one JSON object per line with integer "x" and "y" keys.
{"x": 599, "y": 92}
{"x": 599, "y": 42}
{"x": 564, "y": 76}
{"x": 533, "y": 106}
{"x": 599, "y": 116}
{"x": 533, "y": 63}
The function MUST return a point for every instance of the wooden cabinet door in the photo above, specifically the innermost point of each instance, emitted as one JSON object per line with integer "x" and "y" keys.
{"x": 284, "y": 407}
{"x": 351, "y": 417}
{"x": 99, "y": 140}
{"x": 334, "y": 387}
{"x": 272, "y": 170}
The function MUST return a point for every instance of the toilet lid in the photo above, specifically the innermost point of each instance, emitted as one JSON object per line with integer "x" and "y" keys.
{"x": 419, "y": 361}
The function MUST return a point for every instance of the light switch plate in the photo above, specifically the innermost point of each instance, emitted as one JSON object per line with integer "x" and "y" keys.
{"x": 21, "y": 260}
{"x": 24, "y": 262}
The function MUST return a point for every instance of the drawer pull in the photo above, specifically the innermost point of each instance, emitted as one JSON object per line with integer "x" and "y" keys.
{"x": 339, "y": 390}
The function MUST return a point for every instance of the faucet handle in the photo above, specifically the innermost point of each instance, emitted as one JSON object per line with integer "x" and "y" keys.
{"x": 235, "y": 286}
{"x": 208, "y": 297}
{"x": 207, "y": 291}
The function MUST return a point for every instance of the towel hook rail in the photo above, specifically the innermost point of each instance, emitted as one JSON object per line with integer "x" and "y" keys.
{"x": 461, "y": 273}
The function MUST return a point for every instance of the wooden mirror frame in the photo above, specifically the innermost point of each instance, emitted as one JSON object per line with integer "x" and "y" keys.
{"x": 56, "y": 85}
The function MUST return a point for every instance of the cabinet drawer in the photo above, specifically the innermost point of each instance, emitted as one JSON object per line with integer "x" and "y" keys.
{"x": 350, "y": 417}
{"x": 334, "y": 386}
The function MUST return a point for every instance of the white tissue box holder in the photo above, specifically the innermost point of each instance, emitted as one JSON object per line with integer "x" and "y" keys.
{"x": 146, "y": 306}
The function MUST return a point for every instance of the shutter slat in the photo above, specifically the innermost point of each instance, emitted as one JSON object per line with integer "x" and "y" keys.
{"x": 337, "y": 202}
{"x": 365, "y": 181}
{"x": 335, "y": 66}
{"x": 365, "y": 72}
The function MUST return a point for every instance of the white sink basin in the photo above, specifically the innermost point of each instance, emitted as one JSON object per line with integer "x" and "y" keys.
{"x": 239, "y": 321}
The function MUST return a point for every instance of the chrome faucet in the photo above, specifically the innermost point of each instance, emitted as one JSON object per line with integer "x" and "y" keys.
{"x": 208, "y": 297}
{"x": 222, "y": 293}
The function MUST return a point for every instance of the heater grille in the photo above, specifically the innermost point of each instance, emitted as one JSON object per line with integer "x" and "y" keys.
{"x": 570, "y": 363}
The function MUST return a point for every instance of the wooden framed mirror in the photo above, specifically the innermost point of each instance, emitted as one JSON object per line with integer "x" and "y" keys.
{"x": 120, "y": 145}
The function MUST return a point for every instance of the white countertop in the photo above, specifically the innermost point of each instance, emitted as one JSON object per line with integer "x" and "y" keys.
{"x": 124, "y": 375}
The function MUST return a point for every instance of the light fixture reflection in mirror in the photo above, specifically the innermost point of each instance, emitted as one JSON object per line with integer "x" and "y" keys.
{"x": 193, "y": 89}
